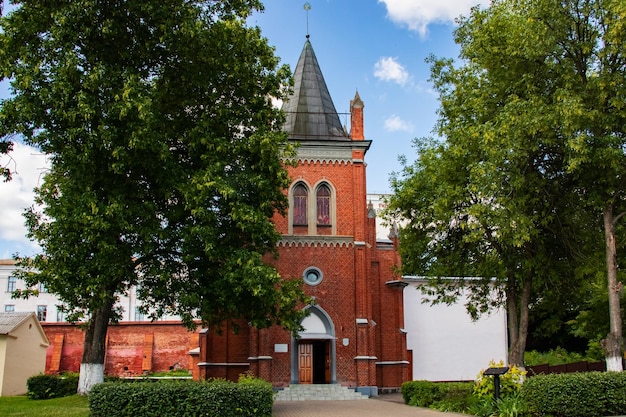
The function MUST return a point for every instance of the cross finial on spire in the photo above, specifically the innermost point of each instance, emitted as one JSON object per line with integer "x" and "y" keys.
{"x": 307, "y": 7}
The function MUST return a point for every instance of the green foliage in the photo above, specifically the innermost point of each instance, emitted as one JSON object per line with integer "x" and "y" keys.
{"x": 172, "y": 373}
{"x": 5, "y": 147}
{"x": 512, "y": 406}
{"x": 165, "y": 159}
{"x": 510, "y": 382}
{"x": 483, "y": 407}
{"x": 592, "y": 319}
{"x": 420, "y": 393}
{"x": 41, "y": 387}
{"x": 456, "y": 397}
{"x": 453, "y": 397}
{"x": 594, "y": 350}
{"x": 495, "y": 196}
{"x": 216, "y": 398}
{"x": 589, "y": 394}
{"x": 558, "y": 356}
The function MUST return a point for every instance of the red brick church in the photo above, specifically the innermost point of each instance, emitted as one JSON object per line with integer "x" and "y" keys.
{"x": 354, "y": 334}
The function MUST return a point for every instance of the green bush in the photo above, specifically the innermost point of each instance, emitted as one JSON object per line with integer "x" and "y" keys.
{"x": 218, "y": 398}
{"x": 453, "y": 396}
{"x": 588, "y": 394}
{"x": 176, "y": 373}
{"x": 510, "y": 382}
{"x": 482, "y": 407}
{"x": 512, "y": 406}
{"x": 558, "y": 356}
{"x": 457, "y": 396}
{"x": 421, "y": 393}
{"x": 42, "y": 387}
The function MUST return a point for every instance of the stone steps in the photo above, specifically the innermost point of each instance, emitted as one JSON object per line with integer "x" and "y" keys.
{"x": 321, "y": 392}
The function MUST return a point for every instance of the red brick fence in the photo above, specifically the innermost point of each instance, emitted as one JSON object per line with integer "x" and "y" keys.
{"x": 567, "y": 368}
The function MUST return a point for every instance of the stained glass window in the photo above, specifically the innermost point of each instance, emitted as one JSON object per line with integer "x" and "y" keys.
{"x": 300, "y": 196}
{"x": 323, "y": 205}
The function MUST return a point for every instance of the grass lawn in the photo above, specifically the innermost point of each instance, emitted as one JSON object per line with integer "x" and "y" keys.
{"x": 73, "y": 406}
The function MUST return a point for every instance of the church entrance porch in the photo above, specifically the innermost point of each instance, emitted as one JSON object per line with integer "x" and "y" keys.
{"x": 314, "y": 362}
{"x": 313, "y": 350}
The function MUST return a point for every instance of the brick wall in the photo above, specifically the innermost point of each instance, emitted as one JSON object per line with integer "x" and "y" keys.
{"x": 355, "y": 285}
{"x": 167, "y": 347}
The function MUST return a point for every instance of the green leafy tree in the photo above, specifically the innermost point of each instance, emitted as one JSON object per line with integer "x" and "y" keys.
{"x": 165, "y": 159}
{"x": 6, "y": 146}
{"x": 496, "y": 198}
{"x": 588, "y": 38}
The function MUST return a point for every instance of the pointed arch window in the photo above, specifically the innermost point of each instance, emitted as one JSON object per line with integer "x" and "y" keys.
{"x": 300, "y": 196}
{"x": 323, "y": 205}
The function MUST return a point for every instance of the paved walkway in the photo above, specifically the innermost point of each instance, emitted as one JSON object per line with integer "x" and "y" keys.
{"x": 385, "y": 405}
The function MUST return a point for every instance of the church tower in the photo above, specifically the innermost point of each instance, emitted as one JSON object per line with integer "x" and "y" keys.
{"x": 353, "y": 334}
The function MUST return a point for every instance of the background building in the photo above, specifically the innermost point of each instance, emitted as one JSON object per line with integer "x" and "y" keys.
{"x": 23, "y": 346}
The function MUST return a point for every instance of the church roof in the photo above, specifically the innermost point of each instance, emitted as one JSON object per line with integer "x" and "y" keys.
{"x": 310, "y": 110}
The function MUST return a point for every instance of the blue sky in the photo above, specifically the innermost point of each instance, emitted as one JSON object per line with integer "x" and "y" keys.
{"x": 377, "y": 47}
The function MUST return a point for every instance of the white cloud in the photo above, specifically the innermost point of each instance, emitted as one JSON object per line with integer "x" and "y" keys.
{"x": 418, "y": 14}
{"x": 27, "y": 166}
{"x": 396, "y": 124}
{"x": 388, "y": 69}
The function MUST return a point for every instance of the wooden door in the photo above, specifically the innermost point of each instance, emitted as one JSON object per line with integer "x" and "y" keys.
{"x": 327, "y": 362}
{"x": 305, "y": 362}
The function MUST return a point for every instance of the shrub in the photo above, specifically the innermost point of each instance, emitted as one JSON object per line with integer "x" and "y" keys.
{"x": 558, "y": 356}
{"x": 42, "y": 387}
{"x": 510, "y": 383}
{"x": 174, "y": 373}
{"x": 453, "y": 396}
{"x": 588, "y": 394}
{"x": 421, "y": 393}
{"x": 252, "y": 397}
{"x": 457, "y": 395}
{"x": 512, "y": 406}
{"x": 483, "y": 407}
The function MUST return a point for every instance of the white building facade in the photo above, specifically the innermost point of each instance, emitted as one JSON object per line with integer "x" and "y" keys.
{"x": 445, "y": 344}
{"x": 45, "y": 305}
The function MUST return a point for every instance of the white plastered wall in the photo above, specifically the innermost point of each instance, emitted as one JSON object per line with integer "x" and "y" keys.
{"x": 447, "y": 345}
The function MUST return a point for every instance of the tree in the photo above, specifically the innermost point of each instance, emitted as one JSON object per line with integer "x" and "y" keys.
{"x": 6, "y": 146}
{"x": 588, "y": 37}
{"x": 496, "y": 198}
{"x": 165, "y": 160}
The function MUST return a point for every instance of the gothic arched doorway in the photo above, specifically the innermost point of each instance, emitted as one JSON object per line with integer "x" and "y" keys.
{"x": 313, "y": 352}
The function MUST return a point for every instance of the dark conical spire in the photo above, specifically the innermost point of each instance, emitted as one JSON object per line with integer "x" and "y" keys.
{"x": 310, "y": 110}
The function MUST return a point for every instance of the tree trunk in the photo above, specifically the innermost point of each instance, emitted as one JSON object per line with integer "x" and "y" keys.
{"x": 517, "y": 317}
{"x": 612, "y": 345}
{"x": 92, "y": 363}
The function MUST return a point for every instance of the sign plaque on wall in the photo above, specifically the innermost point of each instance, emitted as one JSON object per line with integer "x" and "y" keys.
{"x": 281, "y": 348}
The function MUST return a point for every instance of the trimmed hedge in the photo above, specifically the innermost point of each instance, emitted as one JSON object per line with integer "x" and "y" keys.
{"x": 589, "y": 394}
{"x": 169, "y": 398}
{"x": 421, "y": 393}
{"x": 43, "y": 387}
{"x": 436, "y": 394}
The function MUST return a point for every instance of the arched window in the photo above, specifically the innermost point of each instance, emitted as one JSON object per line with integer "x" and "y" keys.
{"x": 323, "y": 205}
{"x": 300, "y": 196}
